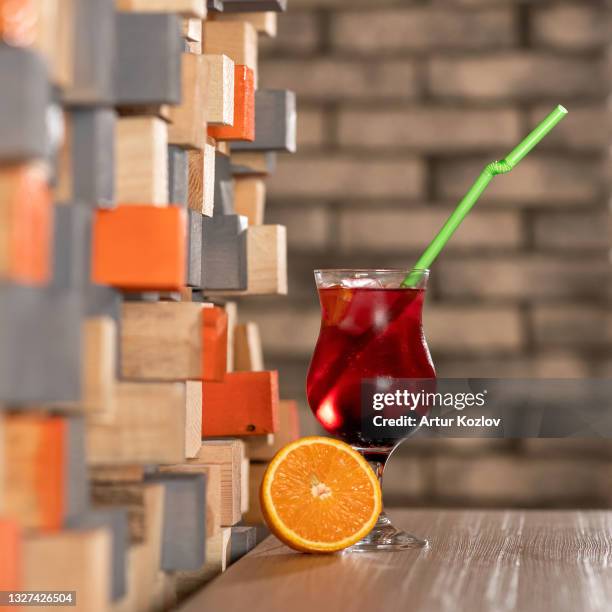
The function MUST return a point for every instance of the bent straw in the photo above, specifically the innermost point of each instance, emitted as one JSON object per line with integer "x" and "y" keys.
{"x": 471, "y": 197}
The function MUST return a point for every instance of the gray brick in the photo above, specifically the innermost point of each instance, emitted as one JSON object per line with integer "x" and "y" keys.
{"x": 422, "y": 29}
{"x": 311, "y": 128}
{"x": 307, "y": 226}
{"x": 572, "y": 326}
{"x": 515, "y": 76}
{"x": 298, "y": 32}
{"x": 345, "y": 177}
{"x": 573, "y": 230}
{"x": 340, "y": 79}
{"x": 429, "y": 129}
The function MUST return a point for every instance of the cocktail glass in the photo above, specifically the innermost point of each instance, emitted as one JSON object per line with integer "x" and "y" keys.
{"x": 371, "y": 328}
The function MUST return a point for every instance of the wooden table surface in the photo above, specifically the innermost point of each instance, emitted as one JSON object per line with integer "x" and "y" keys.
{"x": 477, "y": 561}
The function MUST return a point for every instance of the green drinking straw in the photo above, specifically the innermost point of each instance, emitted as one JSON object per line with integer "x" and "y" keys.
{"x": 471, "y": 197}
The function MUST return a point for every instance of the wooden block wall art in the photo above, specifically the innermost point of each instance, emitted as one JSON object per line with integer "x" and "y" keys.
{"x": 18, "y": 22}
{"x": 264, "y": 22}
{"x": 259, "y": 448}
{"x": 82, "y": 565}
{"x": 94, "y": 35}
{"x": 248, "y": 354}
{"x": 243, "y": 126}
{"x": 141, "y": 166}
{"x": 275, "y": 128}
{"x": 217, "y": 561}
{"x": 238, "y": 6}
{"x": 253, "y": 397}
{"x": 11, "y": 563}
{"x": 148, "y": 59}
{"x": 24, "y": 98}
{"x": 187, "y": 126}
{"x": 247, "y": 163}
{"x": 47, "y": 482}
{"x": 224, "y": 253}
{"x": 266, "y": 261}
{"x": 178, "y": 176}
{"x": 243, "y": 541}
{"x": 184, "y": 522}
{"x": 99, "y": 367}
{"x": 162, "y": 341}
{"x": 213, "y": 490}
{"x": 115, "y": 521}
{"x": 186, "y": 8}
{"x": 25, "y": 224}
{"x": 193, "y": 418}
{"x": 250, "y": 198}
{"x": 220, "y": 108}
{"x": 139, "y": 248}
{"x": 87, "y": 158}
{"x": 231, "y": 309}
{"x": 149, "y": 426}
{"x": 228, "y": 455}
{"x": 224, "y": 186}
{"x": 202, "y": 180}
{"x": 215, "y": 343}
{"x": 194, "y": 248}
{"x": 254, "y": 515}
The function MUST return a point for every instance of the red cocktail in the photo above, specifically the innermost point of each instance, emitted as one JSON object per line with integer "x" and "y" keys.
{"x": 370, "y": 329}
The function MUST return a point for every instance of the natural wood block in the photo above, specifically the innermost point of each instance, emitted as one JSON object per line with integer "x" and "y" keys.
{"x": 222, "y": 146}
{"x": 139, "y": 248}
{"x": 264, "y": 22}
{"x": 228, "y": 455}
{"x": 116, "y": 474}
{"x": 244, "y": 481}
{"x": 253, "y": 163}
{"x": 247, "y": 6}
{"x": 263, "y": 448}
{"x": 192, "y": 30}
{"x": 46, "y": 482}
{"x": 186, "y": 8}
{"x": 253, "y": 397}
{"x": 11, "y": 565}
{"x": 217, "y": 560}
{"x": 25, "y": 224}
{"x": 202, "y": 180}
{"x": 250, "y": 198}
{"x": 188, "y": 120}
{"x": 162, "y": 340}
{"x": 248, "y": 354}
{"x": 141, "y": 165}
{"x": 236, "y": 39}
{"x": 231, "y": 308}
{"x": 149, "y": 426}
{"x": 73, "y": 561}
{"x": 266, "y": 261}
{"x": 220, "y": 89}
{"x": 256, "y": 474}
{"x": 193, "y": 418}
{"x": 243, "y": 125}
{"x": 215, "y": 343}
{"x": 99, "y": 366}
{"x": 156, "y": 111}
{"x": 213, "y": 490}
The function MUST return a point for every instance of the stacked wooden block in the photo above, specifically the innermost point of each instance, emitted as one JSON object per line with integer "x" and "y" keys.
{"x": 134, "y": 147}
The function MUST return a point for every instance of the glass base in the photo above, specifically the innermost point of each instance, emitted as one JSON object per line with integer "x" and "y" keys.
{"x": 386, "y": 537}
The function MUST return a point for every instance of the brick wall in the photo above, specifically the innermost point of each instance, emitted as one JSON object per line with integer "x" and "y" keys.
{"x": 400, "y": 106}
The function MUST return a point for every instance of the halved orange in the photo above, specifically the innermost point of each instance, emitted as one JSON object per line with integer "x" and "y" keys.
{"x": 320, "y": 495}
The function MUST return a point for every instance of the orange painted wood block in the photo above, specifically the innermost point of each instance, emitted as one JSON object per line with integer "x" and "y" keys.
{"x": 214, "y": 354}
{"x": 18, "y": 21}
{"x": 245, "y": 403}
{"x": 244, "y": 109}
{"x": 35, "y": 448}
{"x": 10, "y": 558}
{"x": 140, "y": 248}
{"x": 26, "y": 222}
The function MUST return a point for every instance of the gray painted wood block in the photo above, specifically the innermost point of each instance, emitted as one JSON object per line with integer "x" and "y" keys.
{"x": 224, "y": 264}
{"x": 149, "y": 58}
{"x": 116, "y": 521}
{"x": 239, "y": 168}
{"x": 194, "y": 248}
{"x": 40, "y": 345}
{"x": 243, "y": 540}
{"x": 224, "y": 186}
{"x": 25, "y": 96}
{"x": 95, "y": 44}
{"x": 76, "y": 494}
{"x": 93, "y": 156}
{"x": 275, "y": 122}
{"x": 178, "y": 176}
{"x": 247, "y": 6}
{"x": 184, "y": 522}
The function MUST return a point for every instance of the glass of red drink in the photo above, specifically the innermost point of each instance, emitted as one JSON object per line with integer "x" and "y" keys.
{"x": 371, "y": 328}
